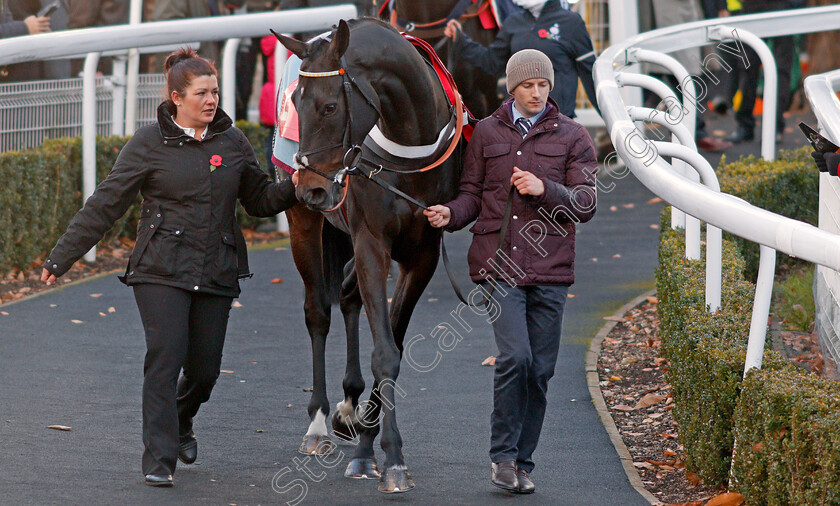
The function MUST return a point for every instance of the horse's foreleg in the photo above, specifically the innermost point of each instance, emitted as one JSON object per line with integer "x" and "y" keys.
{"x": 305, "y": 232}
{"x": 345, "y": 419}
{"x": 412, "y": 281}
{"x": 372, "y": 263}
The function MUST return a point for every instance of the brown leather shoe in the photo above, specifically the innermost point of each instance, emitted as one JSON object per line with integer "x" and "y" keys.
{"x": 503, "y": 475}
{"x": 526, "y": 486}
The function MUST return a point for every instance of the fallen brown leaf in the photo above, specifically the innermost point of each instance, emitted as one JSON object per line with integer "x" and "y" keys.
{"x": 692, "y": 478}
{"x": 236, "y": 304}
{"x": 649, "y": 400}
{"x": 276, "y": 280}
{"x": 727, "y": 499}
{"x": 622, "y": 407}
{"x": 96, "y": 295}
{"x": 491, "y": 360}
{"x": 226, "y": 371}
{"x": 112, "y": 310}
{"x": 653, "y": 300}
{"x": 655, "y": 200}
{"x": 59, "y": 427}
{"x": 77, "y": 321}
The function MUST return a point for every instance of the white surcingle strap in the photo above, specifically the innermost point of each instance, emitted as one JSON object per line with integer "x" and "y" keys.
{"x": 411, "y": 152}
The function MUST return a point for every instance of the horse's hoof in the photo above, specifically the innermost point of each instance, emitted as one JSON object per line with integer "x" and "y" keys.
{"x": 342, "y": 430}
{"x": 395, "y": 479}
{"x": 362, "y": 469}
{"x": 316, "y": 444}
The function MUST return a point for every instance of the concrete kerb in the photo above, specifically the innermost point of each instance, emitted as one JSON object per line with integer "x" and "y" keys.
{"x": 100, "y": 275}
{"x": 601, "y": 407}
{"x": 85, "y": 279}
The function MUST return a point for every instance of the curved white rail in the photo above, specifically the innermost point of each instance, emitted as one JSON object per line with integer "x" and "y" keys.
{"x": 721, "y": 210}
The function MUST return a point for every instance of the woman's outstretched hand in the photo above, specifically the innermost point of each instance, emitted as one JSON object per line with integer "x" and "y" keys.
{"x": 47, "y": 277}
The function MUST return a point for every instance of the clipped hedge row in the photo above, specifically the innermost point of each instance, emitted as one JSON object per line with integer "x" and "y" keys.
{"x": 41, "y": 191}
{"x": 706, "y": 351}
{"x": 788, "y": 186}
{"x": 788, "y": 443}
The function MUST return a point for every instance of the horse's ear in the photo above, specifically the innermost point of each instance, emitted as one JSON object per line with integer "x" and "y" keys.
{"x": 340, "y": 40}
{"x": 297, "y": 47}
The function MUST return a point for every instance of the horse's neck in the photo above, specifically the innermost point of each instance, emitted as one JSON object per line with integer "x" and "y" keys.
{"x": 414, "y": 109}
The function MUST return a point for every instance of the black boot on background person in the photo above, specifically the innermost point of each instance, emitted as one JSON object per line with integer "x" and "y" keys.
{"x": 741, "y": 134}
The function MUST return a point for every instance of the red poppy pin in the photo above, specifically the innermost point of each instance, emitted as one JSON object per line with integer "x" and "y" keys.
{"x": 543, "y": 34}
{"x": 215, "y": 162}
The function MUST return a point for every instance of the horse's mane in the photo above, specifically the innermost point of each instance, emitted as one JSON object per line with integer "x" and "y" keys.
{"x": 369, "y": 19}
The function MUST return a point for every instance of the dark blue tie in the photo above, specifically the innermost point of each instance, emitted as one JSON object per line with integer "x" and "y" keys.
{"x": 523, "y": 125}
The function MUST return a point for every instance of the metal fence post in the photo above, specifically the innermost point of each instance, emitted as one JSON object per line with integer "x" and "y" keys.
{"x": 89, "y": 135}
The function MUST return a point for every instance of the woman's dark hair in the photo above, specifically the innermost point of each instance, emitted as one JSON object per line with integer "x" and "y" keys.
{"x": 181, "y": 67}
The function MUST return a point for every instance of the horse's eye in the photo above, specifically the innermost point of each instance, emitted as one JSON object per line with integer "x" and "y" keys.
{"x": 329, "y": 109}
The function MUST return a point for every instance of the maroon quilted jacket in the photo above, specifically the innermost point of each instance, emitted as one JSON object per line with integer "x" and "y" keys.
{"x": 539, "y": 246}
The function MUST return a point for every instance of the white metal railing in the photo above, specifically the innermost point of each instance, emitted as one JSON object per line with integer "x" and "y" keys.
{"x": 94, "y": 41}
{"x": 771, "y": 231}
{"x": 822, "y": 93}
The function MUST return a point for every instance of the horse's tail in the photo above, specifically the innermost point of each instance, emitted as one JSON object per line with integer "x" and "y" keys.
{"x": 337, "y": 251}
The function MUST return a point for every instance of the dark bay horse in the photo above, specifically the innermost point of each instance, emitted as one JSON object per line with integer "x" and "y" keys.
{"x": 426, "y": 20}
{"x": 366, "y": 81}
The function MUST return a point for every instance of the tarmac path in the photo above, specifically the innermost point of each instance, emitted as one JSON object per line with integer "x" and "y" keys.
{"x": 88, "y": 376}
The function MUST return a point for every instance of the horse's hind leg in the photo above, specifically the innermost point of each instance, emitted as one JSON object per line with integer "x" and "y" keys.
{"x": 305, "y": 231}
{"x": 345, "y": 419}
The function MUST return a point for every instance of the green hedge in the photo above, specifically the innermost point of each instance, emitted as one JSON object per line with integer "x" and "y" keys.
{"x": 42, "y": 191}
{"x": 788, "y": 186}
{"x": 788, "y": 439}
{"x": 706, "y": 351}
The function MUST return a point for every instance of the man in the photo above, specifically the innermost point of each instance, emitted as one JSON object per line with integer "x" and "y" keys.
{"x": 783, "y": 53}
{"x": 549, "y": 161}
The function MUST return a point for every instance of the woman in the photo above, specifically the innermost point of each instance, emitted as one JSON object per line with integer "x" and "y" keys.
{"x": 190, "y": 167}
{"x": 549, "y": 27}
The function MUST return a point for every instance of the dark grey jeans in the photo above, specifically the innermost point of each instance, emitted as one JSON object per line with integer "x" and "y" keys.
{"x": 528, "y": 337}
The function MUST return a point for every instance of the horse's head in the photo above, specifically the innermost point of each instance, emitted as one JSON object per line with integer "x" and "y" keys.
{"x": 334, "y": 115}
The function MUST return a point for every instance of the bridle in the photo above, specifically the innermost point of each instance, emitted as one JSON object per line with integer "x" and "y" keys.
{"x": 353, "y": 161}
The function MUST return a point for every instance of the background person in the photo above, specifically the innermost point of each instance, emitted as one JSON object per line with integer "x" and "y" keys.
{"x": 190, "y": 167}
{"x": 546, "y": 26}
{"x": 550, "y": 161}
{"x": 783, "y": 49}
{"x": 20, "y": 17}
{"x": 31, "y": 25}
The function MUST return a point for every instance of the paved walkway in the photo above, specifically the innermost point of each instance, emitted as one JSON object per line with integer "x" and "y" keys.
{"x": 88, "y": 375}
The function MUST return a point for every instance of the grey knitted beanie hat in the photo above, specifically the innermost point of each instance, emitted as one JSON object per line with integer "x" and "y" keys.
{"x": 528, "y": 64}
